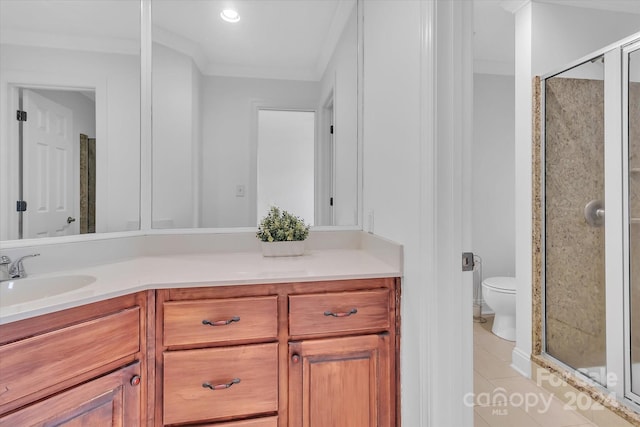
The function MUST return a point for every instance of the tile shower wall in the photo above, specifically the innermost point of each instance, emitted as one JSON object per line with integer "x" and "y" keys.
{"x": 574, "y": 263}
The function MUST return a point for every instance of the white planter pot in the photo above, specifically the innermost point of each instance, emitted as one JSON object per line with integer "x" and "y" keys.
{"x": 293, "y": 248}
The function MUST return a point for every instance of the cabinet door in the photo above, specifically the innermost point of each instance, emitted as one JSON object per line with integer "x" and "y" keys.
{"x": 341, "y": 382}
{"x": 112, "y": 400}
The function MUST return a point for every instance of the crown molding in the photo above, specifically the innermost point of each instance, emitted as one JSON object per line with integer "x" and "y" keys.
{"x": 513, "y": 6}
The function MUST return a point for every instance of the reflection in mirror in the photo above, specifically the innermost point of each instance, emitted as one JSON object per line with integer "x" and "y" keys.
{"x": 212, "y": 83}
{"x": 285, "y": 161}
{"x": 73, "y": 69}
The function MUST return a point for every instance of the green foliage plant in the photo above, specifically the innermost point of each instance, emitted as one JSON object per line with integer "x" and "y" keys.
{"x": 281, "y": 226}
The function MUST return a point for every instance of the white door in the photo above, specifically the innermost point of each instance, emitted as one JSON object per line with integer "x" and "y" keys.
{"x": 285, "y": 162}
{"x": 47, "y": 167}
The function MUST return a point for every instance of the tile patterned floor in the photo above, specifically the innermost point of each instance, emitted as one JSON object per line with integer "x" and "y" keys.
{"x": 504, "y": 398}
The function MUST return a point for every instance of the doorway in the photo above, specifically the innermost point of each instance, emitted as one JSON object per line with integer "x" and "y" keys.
{"x": 47, "y": 180}
{"x": 285, "y": 172}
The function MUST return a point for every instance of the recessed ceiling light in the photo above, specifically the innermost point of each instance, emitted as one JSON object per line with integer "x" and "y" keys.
{"x": 230, "y": 15}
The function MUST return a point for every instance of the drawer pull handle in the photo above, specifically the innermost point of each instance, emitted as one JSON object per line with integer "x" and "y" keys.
{"x": 221, "y": 386}
{"x": 347, "y": 314}
{"x": 221, "y": 322}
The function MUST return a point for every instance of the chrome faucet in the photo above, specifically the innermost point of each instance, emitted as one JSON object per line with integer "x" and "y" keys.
{"x": 4, "y": 268}
{"x": 16, "y": 269}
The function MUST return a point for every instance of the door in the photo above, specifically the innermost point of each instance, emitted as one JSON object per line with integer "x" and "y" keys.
{"x": 631, "y": 212}
{"x": 112, "y": 400}
{"x": 47, "y": 167}
{"x": 285, "y": 162}
{"x": 341, "y": 382}
{"x": 325, "y": 163}
{"x": 574, "y": 201}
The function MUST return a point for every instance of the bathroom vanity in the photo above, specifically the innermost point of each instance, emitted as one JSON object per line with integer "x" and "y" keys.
{"x": 82, "y": 366}
{"x": 241, "y": 341}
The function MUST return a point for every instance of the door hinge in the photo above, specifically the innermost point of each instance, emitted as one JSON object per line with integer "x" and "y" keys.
{"x": 21, "y": 116}
{"x": 467, "y": 261}
{"x": 21, "y": 206}
{"x": 331, "y": 129}
{"x": 330, "y": 201}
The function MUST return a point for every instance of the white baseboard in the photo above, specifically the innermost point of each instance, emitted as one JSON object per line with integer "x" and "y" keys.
{"x": 521, "y": 362}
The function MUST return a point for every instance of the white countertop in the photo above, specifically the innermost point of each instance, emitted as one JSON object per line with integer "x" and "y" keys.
{"x": 135, "y": 274}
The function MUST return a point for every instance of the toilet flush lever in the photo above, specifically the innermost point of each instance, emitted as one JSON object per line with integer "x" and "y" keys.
{"x": 467, "y": 261}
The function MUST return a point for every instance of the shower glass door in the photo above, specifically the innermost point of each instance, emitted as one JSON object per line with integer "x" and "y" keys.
{"x": 574, "y": 236}
{"x": 632, "y": 213}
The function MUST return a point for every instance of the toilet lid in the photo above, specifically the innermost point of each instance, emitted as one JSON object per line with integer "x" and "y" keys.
{"x": 504, "y": 284}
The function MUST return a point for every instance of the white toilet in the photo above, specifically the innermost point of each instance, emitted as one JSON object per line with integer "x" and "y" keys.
{"x": 500, "y": 295}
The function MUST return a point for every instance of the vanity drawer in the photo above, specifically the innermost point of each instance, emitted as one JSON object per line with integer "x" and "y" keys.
{"x": 188, "y": 399}
{"x": 321, "y": 314}
{"x": 223, "y": 320}
{"x": 33, "y": 364}
{"x": 257, "y": 422}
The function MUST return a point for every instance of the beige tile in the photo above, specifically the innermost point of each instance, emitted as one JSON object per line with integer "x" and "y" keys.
{"x": 606, "y": 418}
{"x": 478, "y": 421}
{"x": 505, "y": 416}
{"x": 541, "y": 405}
{"x": 556, "y": 414}
{"x": 481, "y": 385}
{"x": 490, "y": 367}
{"x": 496, "y": 346}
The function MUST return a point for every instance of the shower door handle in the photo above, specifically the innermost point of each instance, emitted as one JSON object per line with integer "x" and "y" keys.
{"x": 594, "y": 213}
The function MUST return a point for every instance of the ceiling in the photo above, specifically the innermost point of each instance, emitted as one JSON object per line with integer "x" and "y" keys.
{"x": 274, "y": 38}
{"x": 494, "y": 29}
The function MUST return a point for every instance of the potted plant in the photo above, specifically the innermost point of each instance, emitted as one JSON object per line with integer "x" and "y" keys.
{"x": 282, "y": 234}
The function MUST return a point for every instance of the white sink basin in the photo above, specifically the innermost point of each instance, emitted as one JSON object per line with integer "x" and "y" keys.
{"x": 18, "y": 291}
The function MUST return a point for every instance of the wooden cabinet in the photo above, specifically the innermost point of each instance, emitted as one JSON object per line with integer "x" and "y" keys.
{"x": 285, "y": 355}
{"x": 76, "y": 366}
{"x": 271, "y": 355}
{"x": 341, "y": 382}
{"x": 111, "y": 400}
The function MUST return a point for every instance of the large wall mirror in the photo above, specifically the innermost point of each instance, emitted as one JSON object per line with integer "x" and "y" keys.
{"x": 253, "y": 113}
{"x": 69, "y": 117}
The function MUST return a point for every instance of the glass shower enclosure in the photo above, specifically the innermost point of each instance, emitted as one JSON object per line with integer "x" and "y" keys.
{"x": 590, "y": 159}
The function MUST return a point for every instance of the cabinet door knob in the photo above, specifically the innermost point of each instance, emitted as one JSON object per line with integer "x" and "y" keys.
{"x": 135, "y": 380}
{"x": 221, "y": 322}
{"x": 344, "y": 314}
{"x": 295, "y": 358}
{"x": 223, "y": 386}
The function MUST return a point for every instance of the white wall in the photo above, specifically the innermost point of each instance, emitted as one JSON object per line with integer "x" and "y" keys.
{"x": 176, "y": 139}
{"x": 548, "y": 37}
{"x": 391, "y": 113}
{"x": 116, "y": 78}
{"x": 562, "y": 34}
{"x": 493, "y": 172}
{"x": 229, "y": 141}
{"x": 341, "y": 77}
{"x": 415, "y": 97}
